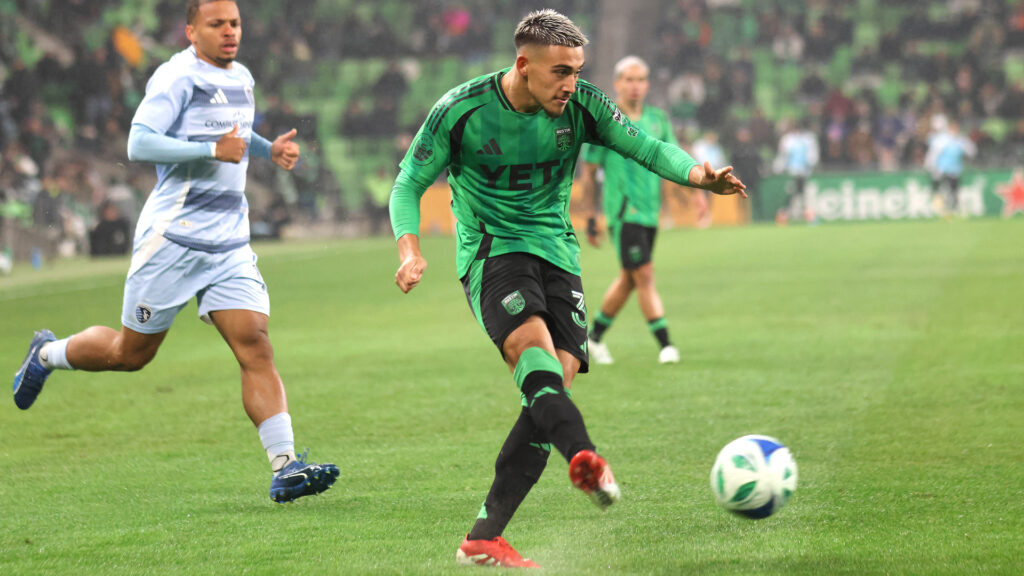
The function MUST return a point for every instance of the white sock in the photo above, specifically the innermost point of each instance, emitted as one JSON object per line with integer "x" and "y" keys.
{"x": 54, "y": 355}
{"x": 278, "y": 440}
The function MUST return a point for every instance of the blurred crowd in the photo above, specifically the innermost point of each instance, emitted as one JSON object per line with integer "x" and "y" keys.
{"x": 736, "y": 76}
{"x": 872, "y": 79}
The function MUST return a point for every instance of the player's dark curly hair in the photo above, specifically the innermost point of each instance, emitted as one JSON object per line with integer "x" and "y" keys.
{"x": 192, "y": 8}
{"x": 548, "y": 28}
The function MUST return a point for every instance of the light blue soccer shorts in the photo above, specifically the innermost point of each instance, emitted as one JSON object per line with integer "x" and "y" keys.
{"x": 164, "y": 276}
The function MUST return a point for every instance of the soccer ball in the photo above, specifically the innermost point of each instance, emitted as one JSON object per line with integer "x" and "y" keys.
{"x": 753, "y": 476}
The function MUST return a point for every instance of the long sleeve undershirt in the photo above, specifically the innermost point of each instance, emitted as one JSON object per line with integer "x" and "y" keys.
{"x": 146, "y": 145}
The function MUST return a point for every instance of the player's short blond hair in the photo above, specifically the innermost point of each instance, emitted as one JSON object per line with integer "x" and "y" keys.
{"x": 628, "y": 62}
{"x": 548, "y": 28}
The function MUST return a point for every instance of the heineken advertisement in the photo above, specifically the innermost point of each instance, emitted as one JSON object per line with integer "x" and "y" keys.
{"x": 894, "y": 195}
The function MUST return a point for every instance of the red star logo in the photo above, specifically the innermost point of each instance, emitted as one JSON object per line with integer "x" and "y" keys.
{"x": 1013, "y": 195}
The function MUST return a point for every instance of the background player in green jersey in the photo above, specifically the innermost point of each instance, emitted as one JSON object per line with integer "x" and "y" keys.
{"x": 510, "y": 141}
{"x": 632, "y": 204}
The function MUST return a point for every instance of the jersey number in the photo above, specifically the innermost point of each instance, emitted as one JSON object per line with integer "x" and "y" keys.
{"x": 580, "y": 318}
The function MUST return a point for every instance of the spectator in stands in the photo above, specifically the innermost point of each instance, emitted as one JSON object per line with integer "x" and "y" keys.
{"x": 93, "y": 92}
{"x": 112, "y": 234}
{"x": 890, "y": 137}
{"x": 788, "y": 45}
{"x": 1012, "y": 105}
{"x": 812, "y": 88}
{"x": 746, "y": 163}
{"x": 819, "y": 46}
{"x": 860, "y": 146}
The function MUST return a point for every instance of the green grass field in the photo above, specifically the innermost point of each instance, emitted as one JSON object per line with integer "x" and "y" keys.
{"x": 889, "y": 357}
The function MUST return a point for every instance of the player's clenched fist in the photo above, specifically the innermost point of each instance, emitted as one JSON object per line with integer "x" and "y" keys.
{"x": 230, "y": 148}
{"x": 283, "y": 151}
{"x": 410, "y": 272}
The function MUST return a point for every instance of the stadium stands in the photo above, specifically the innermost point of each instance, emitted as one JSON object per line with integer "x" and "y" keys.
{"x": 357, "y": 78}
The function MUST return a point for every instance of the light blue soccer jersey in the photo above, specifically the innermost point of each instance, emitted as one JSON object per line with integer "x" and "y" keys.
{"x": 946, "y": 153}
{"x": 798, "y": 153}
{"x": 199, "y": 204}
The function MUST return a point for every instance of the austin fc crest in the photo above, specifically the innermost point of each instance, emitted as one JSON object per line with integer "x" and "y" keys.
{"x": 514, "y": 303}
{"x": 564, "y": 138}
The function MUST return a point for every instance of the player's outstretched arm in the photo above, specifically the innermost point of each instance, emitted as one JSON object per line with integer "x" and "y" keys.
{"x": 613, "y": 129}
{"x": 721, "y": 181}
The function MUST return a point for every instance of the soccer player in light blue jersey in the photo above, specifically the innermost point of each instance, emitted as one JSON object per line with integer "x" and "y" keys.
{"x": 944, "y": 160}
{"x": 192, "y": 239}
{"x": 797, "y": 156}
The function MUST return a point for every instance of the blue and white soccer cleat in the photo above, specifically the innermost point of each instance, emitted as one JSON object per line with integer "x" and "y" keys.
{"x": 29, "y": 379}
{"x": 300, "y": 478}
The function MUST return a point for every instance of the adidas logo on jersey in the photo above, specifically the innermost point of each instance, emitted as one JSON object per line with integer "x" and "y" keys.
{"x": 219, "y": 97}
{"x": 490, "y": 148}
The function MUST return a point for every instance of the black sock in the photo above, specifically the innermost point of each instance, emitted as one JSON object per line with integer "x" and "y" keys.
{"x": 659, "y": 327}
{"x": 555, "y": 414}
{"x": 520, "y": 463}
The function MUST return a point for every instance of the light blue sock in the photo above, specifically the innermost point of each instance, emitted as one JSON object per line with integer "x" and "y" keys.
{"x": 54, "y": 355}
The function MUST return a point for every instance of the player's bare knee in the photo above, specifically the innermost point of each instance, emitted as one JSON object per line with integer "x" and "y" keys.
{"x": 132, "y": 355}
{"x": 627, "y": 279}
{"x": 254, "y": 349}
{"x": 643, "y": 276}
{"x": 135, "y": 361}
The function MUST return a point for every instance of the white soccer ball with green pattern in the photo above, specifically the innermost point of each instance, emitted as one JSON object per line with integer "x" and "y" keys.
{"x": 753, "y": 476}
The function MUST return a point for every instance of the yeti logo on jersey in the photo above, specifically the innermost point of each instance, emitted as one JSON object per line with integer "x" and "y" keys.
{"x": 632, "y": 131}
{"x": 514, "y": 303}
{"x": 424, "y": 152}
{"x": 580, "y": 316}
{"x": 143, "y": 313}
{"x": 564, "y": 139}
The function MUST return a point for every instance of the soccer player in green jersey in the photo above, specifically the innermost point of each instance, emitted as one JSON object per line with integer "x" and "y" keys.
{"x": 510, "y": 141}
{"x": 631, "y": 203}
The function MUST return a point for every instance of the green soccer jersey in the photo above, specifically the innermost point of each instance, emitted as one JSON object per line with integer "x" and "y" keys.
{"x": 631, "y": 192}
{"x": 511, "y": 173}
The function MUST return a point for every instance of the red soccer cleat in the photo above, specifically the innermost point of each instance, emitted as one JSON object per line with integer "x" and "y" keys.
{"x": 590, "y": 473}
{"x": 497, "y": 552}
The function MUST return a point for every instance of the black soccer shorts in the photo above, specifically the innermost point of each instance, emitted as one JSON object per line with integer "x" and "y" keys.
{"x": 635, "y": 244}
{"x": 503, "y": 291}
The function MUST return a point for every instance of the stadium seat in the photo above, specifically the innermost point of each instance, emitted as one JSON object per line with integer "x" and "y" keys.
{"x": 866, "y": 35}
{"x": 839, "y": 68}
{"x": 1013, "y": 67}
